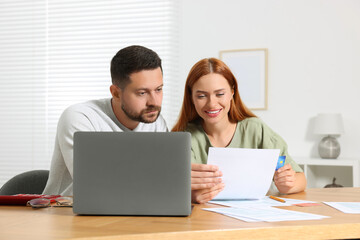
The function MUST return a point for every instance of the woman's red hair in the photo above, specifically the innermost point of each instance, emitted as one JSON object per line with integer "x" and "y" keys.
{"x": 238, "y": 111}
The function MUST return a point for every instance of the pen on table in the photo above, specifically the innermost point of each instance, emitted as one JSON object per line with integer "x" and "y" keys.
{"x": 277, "y": 199}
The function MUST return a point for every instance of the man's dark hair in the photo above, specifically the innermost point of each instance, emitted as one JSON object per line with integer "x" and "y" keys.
{"x": 130, "y": 60}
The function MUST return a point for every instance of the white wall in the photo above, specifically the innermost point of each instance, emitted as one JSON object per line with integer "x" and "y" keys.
{"x": 314, "y": 59}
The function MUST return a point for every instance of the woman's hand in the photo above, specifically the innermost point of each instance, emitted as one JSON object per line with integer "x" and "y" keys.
{"x": 205, "y": 182}
{"x": 288, "y": 181}
{"x": 205, "y": 195}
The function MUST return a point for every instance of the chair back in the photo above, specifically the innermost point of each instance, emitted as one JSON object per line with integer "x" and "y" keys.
{"x": 31, "y": 182}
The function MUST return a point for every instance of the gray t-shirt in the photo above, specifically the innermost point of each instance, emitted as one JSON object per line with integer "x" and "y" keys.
{"x": 96, "y": 116}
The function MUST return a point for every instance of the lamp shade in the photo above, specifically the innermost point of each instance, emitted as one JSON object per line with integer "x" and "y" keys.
{"x": 329, "y": 124}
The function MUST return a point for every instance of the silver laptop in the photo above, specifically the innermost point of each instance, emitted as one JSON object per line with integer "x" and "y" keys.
{"x": 132, "y": 173}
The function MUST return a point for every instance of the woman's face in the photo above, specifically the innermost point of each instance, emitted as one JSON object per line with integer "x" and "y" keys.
{"x": 212, "y": 95}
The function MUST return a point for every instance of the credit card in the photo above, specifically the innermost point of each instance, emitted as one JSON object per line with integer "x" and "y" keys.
{"x": 281, "y": 162}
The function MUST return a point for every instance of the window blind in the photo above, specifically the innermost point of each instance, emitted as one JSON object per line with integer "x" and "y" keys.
{"x": 57, "y": 52}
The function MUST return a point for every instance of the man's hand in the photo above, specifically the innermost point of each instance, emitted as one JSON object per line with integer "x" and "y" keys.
{"x": 288, "y": 181}
{"x": 205, "y": 182}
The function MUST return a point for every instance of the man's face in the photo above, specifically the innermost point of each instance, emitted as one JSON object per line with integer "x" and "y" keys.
{"x": 141, "y": 99}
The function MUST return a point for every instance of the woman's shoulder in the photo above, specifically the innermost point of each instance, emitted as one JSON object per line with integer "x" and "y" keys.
{"x": 194, "y": 128}
{"x": 258, "y": 127}
{"x": 251, "y": 122}
{"x": 254, "y": 125}
{"x": 198, "y": 134}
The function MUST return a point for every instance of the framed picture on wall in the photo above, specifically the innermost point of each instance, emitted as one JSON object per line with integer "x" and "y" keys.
{"x": 250, "y": 69}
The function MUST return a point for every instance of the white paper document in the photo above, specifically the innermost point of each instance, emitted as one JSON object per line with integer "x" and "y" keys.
{"x": 266, "y": 214}
{"x": 346, "y": 207}
{"x": 247, "y": 173}
{"x": 263, "y": 202}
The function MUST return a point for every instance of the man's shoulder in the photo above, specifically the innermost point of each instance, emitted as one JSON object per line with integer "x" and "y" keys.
{"x": 83, "y": 112}
{"x": 91, "y": 104}
{"x": 86, "y": 108}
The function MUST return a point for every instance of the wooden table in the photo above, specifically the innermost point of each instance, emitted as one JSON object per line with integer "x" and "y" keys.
{"x": 20, "y": 222}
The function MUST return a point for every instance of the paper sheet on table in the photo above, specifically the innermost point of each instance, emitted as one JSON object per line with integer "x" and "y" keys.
{"x": 346, "y": 207}
{"x": 263, "y": 202}
{"x": 247, "y": 173}
{"x": 267, "y": 214}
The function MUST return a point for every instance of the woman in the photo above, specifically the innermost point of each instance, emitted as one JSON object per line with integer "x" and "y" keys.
{"x": 215, "y": 116}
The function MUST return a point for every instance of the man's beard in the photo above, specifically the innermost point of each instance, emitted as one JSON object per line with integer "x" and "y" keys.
{"x": 140, "y": 117}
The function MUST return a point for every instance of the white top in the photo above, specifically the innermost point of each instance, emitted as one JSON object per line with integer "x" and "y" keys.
{"x": 95, "y": 115}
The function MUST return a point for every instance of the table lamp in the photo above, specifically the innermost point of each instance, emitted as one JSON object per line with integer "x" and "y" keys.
{"x": 330, "y": 125}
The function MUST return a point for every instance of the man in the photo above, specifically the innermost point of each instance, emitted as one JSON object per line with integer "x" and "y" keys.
{"x": 136, "y": 90}
{"x": 135, "y": 105}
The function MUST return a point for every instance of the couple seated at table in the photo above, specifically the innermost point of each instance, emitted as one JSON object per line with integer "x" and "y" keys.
{"x": 212, "y": 112}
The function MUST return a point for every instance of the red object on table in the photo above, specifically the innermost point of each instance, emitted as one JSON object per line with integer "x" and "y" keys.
{"x": 22, "y": 199}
